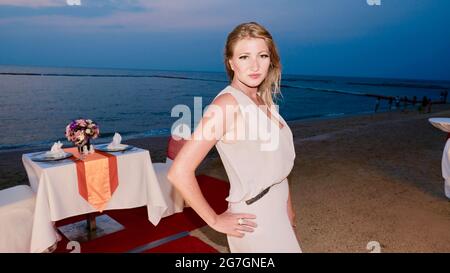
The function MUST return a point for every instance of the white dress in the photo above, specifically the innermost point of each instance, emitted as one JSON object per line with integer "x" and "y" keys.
{"x": 253, "y": 164}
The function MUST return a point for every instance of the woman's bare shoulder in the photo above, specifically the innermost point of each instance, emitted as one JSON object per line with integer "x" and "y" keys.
{"x": 225, "y": 99}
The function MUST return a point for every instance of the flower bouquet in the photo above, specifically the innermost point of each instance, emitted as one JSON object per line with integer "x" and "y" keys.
{"x": 81, "y": 131}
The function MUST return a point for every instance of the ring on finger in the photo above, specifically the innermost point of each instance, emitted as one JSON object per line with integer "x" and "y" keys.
{"x": 241, "y": 221}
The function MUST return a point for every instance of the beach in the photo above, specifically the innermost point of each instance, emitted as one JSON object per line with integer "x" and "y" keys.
{"x": 356, "y": 179}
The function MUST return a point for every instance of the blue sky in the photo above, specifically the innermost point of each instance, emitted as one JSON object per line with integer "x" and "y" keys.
{"x": 397, "y": 39}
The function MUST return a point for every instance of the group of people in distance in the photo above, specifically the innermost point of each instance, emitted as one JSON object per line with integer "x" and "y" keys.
{"x": 398, "y": 103}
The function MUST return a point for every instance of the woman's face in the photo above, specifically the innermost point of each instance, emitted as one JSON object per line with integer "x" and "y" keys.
{"x": 250, "y": 61}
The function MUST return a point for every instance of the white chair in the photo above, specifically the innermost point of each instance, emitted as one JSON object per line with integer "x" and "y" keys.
{"x": 16, "y": 218}
{"x": 174, "y": 200}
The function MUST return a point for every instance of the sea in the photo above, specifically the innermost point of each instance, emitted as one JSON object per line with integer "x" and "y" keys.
{"x": 36, "y": 103}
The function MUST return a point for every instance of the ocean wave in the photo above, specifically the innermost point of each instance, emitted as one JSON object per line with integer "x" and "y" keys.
{"x": 307, "y": 80}
{"x": 334, "y": 114}
{"x": 107, "y": 76}
{"x": 404, "y": 85}
{"x": 340, "y": 91}
{"x": 105, "y": 137}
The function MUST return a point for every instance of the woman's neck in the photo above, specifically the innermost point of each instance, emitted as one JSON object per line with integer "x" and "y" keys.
{"x": 249, "y": 91}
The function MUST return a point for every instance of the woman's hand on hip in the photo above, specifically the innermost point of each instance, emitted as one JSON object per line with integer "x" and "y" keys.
{"x": 234, "y": 224}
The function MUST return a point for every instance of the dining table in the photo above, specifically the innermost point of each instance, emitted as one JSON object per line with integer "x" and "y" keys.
{"x": 86, "y": 184}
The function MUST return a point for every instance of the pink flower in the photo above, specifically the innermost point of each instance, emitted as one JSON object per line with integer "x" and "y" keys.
{"x": 81, "y": 122}
{"x": 80, "y": 130}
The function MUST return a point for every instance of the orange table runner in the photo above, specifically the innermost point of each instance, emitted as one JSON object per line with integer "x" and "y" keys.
{"x": 97, "y": 177}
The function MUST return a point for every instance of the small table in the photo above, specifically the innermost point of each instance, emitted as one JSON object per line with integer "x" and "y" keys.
{"x": 57, "y": 197}
{"x": 444, "y": 125}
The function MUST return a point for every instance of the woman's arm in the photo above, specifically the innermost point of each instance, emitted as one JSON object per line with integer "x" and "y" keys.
{"x": 217, "y": 120}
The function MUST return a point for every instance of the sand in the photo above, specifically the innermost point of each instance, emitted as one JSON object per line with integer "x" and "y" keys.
{"x": 374, "y": 177}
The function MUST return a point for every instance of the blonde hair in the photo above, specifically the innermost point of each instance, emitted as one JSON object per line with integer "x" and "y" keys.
{"x": 269, "y": 89}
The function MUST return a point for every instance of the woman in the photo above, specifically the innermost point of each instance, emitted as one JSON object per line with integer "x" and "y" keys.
{"x": 260, "y": 217}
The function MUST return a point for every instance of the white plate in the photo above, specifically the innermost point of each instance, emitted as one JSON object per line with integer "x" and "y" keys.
{"x": 42, "y": 157}
{"x": 104, "y": 148}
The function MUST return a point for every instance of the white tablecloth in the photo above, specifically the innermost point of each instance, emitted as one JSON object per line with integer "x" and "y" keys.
{"x": 57, "y": 196}
{"x": 441, "y": 123}
{"x": 174, "y": 199}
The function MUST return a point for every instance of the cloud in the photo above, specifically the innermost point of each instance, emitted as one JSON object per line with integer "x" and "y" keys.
{"x": 119, "y": 4}
{"x": 69, "y": 8}
{"x": 301, "y": 20}
{"x": 33, "y": 3}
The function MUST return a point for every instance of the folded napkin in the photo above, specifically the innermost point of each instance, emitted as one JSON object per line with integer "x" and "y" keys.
{"x": 56, "y": 150}
{"x": 115, "y": 144}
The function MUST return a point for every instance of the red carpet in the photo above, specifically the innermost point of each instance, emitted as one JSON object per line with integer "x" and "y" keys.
{"x": 139, "y": 231}
{"x": 188, "y": 244}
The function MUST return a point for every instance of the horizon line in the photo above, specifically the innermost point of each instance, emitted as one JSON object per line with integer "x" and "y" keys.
{"x": 212, "y": 71}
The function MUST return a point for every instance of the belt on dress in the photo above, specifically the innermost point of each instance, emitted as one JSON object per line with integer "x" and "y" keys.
{"x": 259, "y": 196}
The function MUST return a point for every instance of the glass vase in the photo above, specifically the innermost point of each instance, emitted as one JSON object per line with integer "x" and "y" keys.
{"x": 86, "y": 144}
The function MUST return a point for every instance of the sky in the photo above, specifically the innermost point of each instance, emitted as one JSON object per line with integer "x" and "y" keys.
{"x": 396, "y": 39}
